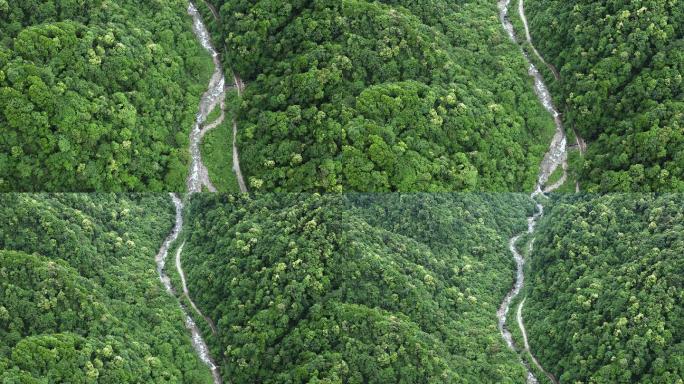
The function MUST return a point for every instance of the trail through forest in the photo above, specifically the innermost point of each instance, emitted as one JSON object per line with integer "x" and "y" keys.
{"x": 214, "y": 97}
{"x": 521, "y": 11}
{"x": 557, "y": 154}
{"x": 526, "y": 342}
{"x": 554, "y": 158}
{"x": 198, "y": 342}
{"x": 236, "y": 155}
{"x": 581, "y": 144}
{"x": 186, "y": 293}
{"x": 198, "y": 178}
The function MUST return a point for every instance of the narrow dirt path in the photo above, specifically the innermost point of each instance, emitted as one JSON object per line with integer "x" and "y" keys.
{"x": 557, "y": 154}
{"x": 184, "y": 283}
{"x": 212, "y": 9}
{"x": 555, "y": 157}
{"x": 581, "y": 144}
{"x": 521, "y": 11}
{"x": 198, "y": 342}
{"x": 236, "y": 155}
{"x": 199, "y": 175}
{"x": 505, "y": 306}
{"x": 198, "y": 178}
{"x": 521, "y": 324}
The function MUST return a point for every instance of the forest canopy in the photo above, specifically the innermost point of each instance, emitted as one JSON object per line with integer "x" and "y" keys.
{"x": 97, "y": 95}
{"x": 80, "y": 301}
{"x": 606, "y": 291}
{"x": 355, "y": 289}
{"x": 621, "y": 65}
{"x": 359, "y": 95}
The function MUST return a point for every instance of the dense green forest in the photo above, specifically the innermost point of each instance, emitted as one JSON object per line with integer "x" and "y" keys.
{"x": 606, "y": 291}
{"x": 342, "y": 95}
{"x": 80, "y": 301}
{"x": 97, "y": 95}
{"x": 355, "y": 289}
{"x": 358, "y": 95}
{"x": 621, "y": 66}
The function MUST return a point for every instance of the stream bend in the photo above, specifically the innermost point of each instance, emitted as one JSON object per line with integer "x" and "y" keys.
{"x": 213, "y": 98}
{"x": 199, "y": 178}
{"x": 198, "y": 342}
{"x": 554, "y": 158}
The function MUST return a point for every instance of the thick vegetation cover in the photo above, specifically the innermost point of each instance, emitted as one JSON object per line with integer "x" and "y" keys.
{"x": 357, "y": 95}
{"x": 97, "y": 94}
{"x": 606, "y": 300}
{"x": 355, "y": 289}
{"x": 80, "y": 301}
{"x": 621, "y": 66}
{"x": 217, "y": 149}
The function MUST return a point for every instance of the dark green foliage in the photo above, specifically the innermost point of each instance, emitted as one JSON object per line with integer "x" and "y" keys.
{"x": 80, "y": 301}
{"x": 355, "y": 289}
{"x": 621, "y": 64}
{"x": 358, "y": 95}
{"x": 606, "y": 293}
{"x": 97, "y": 95}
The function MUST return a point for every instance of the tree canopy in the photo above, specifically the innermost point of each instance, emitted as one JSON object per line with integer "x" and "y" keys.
{"x": 80, "y": 301}
{"x": 621, "y": 66}
{"x": 359, "y": 95}
{"x": 97, "y": 95}
{"x": 355, "y": 289}
{"x": 606, "y": 291}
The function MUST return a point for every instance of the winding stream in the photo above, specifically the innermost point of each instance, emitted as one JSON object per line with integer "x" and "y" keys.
{"x": 214, "y": 97}
{"x": 554, "y": 158}
{"x": 198, "y": 342}
{"x": 197, "y": 179}
{"x": 557, "y": 154}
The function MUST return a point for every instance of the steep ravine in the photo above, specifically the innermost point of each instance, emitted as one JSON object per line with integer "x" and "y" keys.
{"x": 581, "y": 144}
{"x": 554, "y": 158}
{"x": 213, "y": 98}
{"x": 198, "y": 179}
{"x": 198, "y": 342}
{"x": 557, "y": 154}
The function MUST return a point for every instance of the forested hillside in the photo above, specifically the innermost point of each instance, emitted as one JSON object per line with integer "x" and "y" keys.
{"x": 621, "y": 66}
{"x": 606, "y": 300}
{"x": 97, "y": 95}
{"x": 355, "y": 289}
{"x": 359, "y": 95}
{"x": 80, "y": 301}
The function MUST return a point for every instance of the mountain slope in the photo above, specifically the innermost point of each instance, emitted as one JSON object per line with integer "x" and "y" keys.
{"x": 79, "y": 298}
{"x": 621, "y": 66}
{"x": 97, "y": 95}
{"x": 606, "y": 302}
{"x": 386, "y": 288}
{"x": 359, "y": 95}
